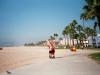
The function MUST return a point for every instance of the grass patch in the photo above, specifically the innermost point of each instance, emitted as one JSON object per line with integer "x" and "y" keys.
{"x": 94, "y": 48}
{"x": 95, "y": 56}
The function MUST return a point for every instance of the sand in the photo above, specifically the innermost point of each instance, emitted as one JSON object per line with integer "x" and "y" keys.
{"x": 13, "y": 57}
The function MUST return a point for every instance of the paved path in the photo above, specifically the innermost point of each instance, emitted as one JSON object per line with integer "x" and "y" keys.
{"x": 65, "y": 63}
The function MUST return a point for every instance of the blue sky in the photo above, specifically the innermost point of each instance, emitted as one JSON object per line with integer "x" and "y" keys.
{"x": 34, "y": 20}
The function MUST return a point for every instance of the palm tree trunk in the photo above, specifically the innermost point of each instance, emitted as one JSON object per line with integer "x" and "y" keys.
{"x": 70, "y": 42}
{"x": 82, "y": 44}
{"x": 77, "y": 43}
{"x": 65, "y": 41}
{"x": 83, "y": 23}
{"x": 73, "y": 41}
{"x": 83, "y": 29}
{"x": 98, "y": 18}
{"x": 92, "y": 42}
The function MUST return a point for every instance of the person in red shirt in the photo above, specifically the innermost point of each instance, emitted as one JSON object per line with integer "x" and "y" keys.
{"x": 51, "y": 45}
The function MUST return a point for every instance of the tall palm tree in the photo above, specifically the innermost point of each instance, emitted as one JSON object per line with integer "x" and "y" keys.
{"x": 79, "y": 28}
{"x": 93, "y": 34}
{"x": 81, "y": 34}
{"x": 81, "y": 38}
{"x": 87, "y": 31}
{"x": 69, "y": 34}
{"x": 83, "y": 17}
{"x": 72, "y": 30}
{"x": 90, "y": 32}
{"x": 73, "y": 23}
{"x": 95, "y": 25}
{"x": 92, "y": 10}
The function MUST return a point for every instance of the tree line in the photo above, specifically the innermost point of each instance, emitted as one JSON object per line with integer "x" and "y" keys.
{"x": 91, "y": 11}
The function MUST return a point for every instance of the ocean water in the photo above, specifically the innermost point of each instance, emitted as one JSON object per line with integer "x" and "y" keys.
{"x": 9, "y": 44}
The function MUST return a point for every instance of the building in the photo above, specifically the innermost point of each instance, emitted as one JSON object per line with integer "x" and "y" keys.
{"x": 88, "y": 42}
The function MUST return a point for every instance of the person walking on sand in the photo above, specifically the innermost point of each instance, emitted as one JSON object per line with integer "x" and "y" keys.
{"x": 51, "y": 45}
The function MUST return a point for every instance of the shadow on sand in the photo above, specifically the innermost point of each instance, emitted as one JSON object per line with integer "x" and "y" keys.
{"x": 59, "y": 57}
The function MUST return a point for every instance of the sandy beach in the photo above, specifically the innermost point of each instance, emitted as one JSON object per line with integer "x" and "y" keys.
{"x": 12, "y": 57}
{"x": 33, "y": 59}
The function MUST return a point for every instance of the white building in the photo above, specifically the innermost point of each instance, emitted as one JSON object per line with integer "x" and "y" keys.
{"x": 95, "y": 41}
{"x": 67, "y": 41}
{"x": 86, "y": 42}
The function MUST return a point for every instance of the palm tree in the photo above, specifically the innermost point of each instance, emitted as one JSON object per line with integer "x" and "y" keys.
{"x": 90, "y": 32}
{"x": 55, "y": 35}
{"x": 52, "y": 38}
{"x": 80, "y": 34}
{"x": 81, "y": 38}
{"x": 79, "y": 28}
{"x": 93, "y": 34}
{"x": 72, "y": 30}
{"x": 95, "y": 25}
{"x": 60, "y": 38}
{"x": 74, "y": 22}
{"x": 92, "y": 10}
{"x": 87, "y": 31}
{"x": 69, "y": 33}
{"x": 83, "y": 17}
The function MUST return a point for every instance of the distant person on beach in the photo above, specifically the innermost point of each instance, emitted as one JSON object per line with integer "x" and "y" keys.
{"x": 1, "y": 48}
{"x": 51, "y": 45}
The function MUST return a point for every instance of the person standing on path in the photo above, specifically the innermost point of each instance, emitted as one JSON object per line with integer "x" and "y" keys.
{"x": 51, "y": 45}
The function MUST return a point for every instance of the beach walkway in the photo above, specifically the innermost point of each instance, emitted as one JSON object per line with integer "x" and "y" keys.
{"x": 35, "y": 61}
